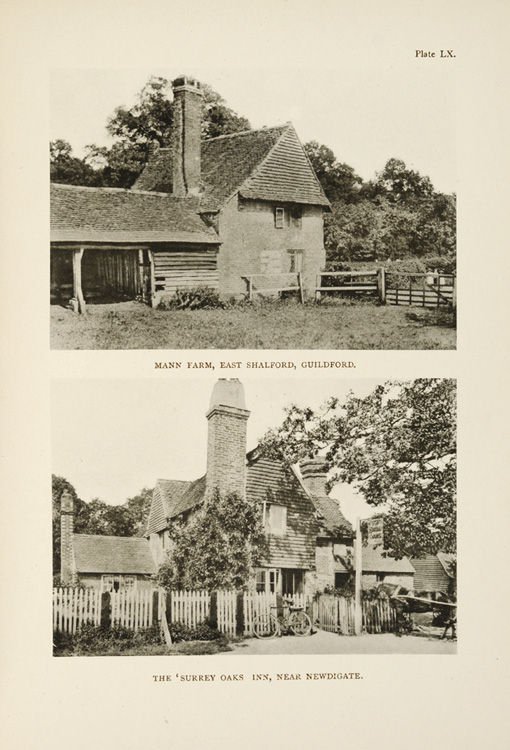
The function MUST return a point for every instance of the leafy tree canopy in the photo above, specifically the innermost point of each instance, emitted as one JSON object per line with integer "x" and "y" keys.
{"x": 133, "y": 130}
{"x": 396, "y": 446}
{"x": 217, "y": 548}
{"x": 339, "y": 181}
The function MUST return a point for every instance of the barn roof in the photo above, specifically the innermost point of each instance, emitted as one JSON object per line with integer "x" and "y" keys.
{"x": 266, "y": 164}
{"x": 374, "y": 560}
{"x": 102, "y": 215}
{"x": 112, "y": 554}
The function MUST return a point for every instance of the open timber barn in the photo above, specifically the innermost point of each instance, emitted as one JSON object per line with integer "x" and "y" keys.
{"x": 112, "y": 244}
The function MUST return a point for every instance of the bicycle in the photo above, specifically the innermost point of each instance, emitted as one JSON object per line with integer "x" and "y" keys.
{"x": 293, "y": 620}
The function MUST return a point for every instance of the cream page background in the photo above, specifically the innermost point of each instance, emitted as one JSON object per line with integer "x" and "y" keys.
{"x": 112, "y": 702}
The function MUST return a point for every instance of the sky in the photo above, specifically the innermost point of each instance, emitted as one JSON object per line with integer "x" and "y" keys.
{"x": 133, "y": 432}
{"x": 367, "y": 114}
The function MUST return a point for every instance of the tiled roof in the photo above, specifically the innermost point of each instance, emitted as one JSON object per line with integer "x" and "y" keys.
{"x": 331, "y": 516}
{"x": 112, "y": 554}
{"x": 374, "y": 560}
{"x": 267, "y": 164}
{"x": 431, "y": 574}
{"x": 165, "y": 496}
{"x": 84, "y": 214}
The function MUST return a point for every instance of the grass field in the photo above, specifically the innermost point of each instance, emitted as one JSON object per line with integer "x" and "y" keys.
{"x": 278, "y": 325}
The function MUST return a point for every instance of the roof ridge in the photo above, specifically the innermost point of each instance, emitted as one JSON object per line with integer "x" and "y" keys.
{"x": 248, "y": 132}
{"x": 128, "y": 191}
{"x": 108, "y": 536}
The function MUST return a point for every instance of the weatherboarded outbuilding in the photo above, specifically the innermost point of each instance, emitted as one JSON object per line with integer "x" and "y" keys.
{"x": 227, "y": 213}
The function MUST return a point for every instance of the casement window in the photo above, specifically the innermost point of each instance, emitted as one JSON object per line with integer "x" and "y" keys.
{"x": 295, "y": 261}
{"x": 274, "y": 518}
{"x": 288, "y": 216}
{"x": 267, "y": 580}
{"x": 118, "y": 583}
{"x": 292, "y": 582}
{"x": 279, "y": 217}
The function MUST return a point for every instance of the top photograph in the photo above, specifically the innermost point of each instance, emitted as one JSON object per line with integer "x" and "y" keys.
{"x": 182, "y": 217}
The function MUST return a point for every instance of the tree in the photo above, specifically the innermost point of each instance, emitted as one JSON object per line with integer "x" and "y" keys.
{"x": 217, "y": 548}
{"x": 399, "y": 184}
{"x": 150, "y": 120}
{"x": 68, "y": 169}
{"x": 339, "y": 181}
{"x": 139, "y": 507}
{"x": 397, "y": 447}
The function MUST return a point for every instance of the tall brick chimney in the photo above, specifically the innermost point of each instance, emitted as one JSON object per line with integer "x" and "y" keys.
{"x": 186, "y": 133}
{"x": 226, "y": 439}
{"x": 66, "y": 537}
{"x": 314, "y": 474}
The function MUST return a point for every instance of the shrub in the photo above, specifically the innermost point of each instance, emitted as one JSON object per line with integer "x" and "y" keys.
{"x": 90, "y": 639}
{"x": 204, "y": 631}
{"x": 195, "y": 298}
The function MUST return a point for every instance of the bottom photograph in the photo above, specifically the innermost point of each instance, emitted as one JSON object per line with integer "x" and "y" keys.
{"x": 263, "y": 516}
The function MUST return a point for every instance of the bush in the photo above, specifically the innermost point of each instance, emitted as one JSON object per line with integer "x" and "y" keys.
{"x": 196, "y": 298}
{"x": 204, "y": 631}
{"x": 90, "y": 639}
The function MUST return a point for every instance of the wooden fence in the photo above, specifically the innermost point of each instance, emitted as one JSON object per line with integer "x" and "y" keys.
{"x": 132, "y": 609}
{"x": 391, "y": 287}
{"x": 234, "y": 612}
{"x": 274, "y": 284}
{"x": 421, "y": 289}
{"x": 74, "y": 606}
{"x": 365, "y": 282}
{"x": 336, "y": 615}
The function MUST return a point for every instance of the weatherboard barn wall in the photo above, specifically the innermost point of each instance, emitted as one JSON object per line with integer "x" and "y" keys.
{"x": 251, "y": 243}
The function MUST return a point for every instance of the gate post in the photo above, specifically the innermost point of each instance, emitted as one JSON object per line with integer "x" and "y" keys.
{"x": 106, "y": 610}
{"x": 381, "y": 284}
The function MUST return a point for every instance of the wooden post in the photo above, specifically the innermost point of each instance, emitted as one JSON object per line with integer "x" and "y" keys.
{"x": 152, "y": 280}
{"x": 239, "y": 613}
{"x": 381, "y": 283}
{"x": 317, "y": 287}
{"x": 106, "y": 610}
{"x": 250, "y": 289}
{"x": 454, "y": 291}
{"x": 77, "y": 290}
{"x": 357, "y": 580}
{"x": 300, "y": 284}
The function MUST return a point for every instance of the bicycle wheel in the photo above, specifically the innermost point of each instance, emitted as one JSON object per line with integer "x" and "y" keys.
{"x": 300, "y": 623}
{"x": 265, "y": 626}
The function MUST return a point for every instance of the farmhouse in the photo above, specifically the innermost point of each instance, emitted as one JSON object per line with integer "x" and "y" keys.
{"x": 309, "y": 540}
{"x": 221, "y": 213}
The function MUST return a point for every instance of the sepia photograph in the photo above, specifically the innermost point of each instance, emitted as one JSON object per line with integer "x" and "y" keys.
{"x": 221, "y": 210}
{"x": 266, "y": 518}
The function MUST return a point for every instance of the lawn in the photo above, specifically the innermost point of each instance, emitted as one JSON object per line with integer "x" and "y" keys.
{"x": 342, "y": 324}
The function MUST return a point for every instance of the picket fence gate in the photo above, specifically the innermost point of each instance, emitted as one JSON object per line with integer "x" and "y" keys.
{"x": 132, "y": 609}
{"x": 379, "y": 616}
{"x": 336, "y": 614}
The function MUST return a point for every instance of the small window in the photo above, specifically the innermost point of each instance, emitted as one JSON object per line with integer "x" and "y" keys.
{"x": 279, "y": 218}
{"x": 129, "y": 582}
{"x": 267, "y": 580}
{"x": 275, "y": 518}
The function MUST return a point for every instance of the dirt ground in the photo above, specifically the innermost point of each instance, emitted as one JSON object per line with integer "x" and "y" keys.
{"x": 343, "y": 325}
{"x": 323, "y": 642}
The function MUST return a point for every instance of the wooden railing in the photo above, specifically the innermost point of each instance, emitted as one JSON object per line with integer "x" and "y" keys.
{"x": 274, "y": 283}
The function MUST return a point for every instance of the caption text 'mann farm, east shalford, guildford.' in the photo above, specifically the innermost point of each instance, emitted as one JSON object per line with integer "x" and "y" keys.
{"x": 257, "y": 365}
{"x": 257, "y": 677}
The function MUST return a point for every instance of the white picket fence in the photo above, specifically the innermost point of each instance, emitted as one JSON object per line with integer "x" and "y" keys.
{"x": 136, "y": 609}
{"x": 132, "y": 609}
{"x": 74, "y": 606}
